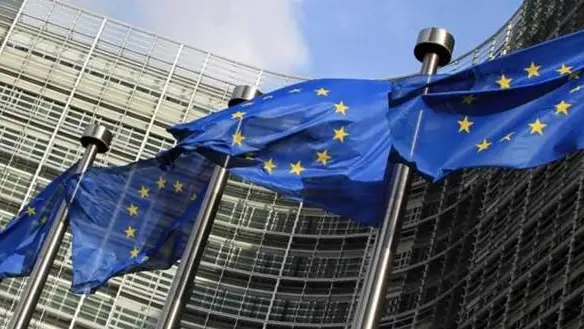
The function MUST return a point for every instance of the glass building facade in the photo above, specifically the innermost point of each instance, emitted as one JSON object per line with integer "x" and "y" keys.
{"x": 482, "y": 249}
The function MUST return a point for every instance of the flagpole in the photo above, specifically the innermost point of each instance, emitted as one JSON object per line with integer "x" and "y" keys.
{"x": 96, "y": 139}
{"x": 434, "y": 49}
{"x": 185, "y": 275}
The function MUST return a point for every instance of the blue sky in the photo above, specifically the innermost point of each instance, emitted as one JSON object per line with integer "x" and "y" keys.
{"x": 313, "y": 38}
{"x": 376, "y": 38}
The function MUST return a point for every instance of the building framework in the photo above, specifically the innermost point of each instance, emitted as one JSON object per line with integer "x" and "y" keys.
{"x": 482, "y": 249}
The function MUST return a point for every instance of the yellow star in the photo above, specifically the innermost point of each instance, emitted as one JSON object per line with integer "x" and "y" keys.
{"x": 237, "y": 115}
{"x": 562, "y": 107}
{"x": 132, "y": 209}
{"x": 340, "y": 134}
{"x": 296, "y": 168}
{"x": 504, "y": 82}
{"x": 322, "y": 92}
{"x": 483, "y": 145}
{"x": 323, "y": 157}
{"x": 532, "y": 70}
{"x": 130, "y": 232}
{"x": 161, "y": 183}
{"x": 341, "y": 108}
{"x": 537, "y": 127}
{"x": 238, "y": 138}
{"x": 574, "y": 76}
{"x": 194, "y": 197}
{"x": 249, "y": 156}
{"x": 134, "y": 252}
{"x": 468, "y": 99}
{"x": 577, "y": 88}
{"x": 295, "y": 90}
{"x": 269, "y": 166}
{"x": 31, "y": 211}
{"x": 507, "y": 137}
{"x": 178, "y": 186}
{"x": 143, "y": 192}
{"x": 564, "y": 69}
{"x": 464, "y": 125}
{"x": 43, "y": 220}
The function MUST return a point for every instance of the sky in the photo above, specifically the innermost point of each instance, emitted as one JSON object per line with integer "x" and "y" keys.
{"x": 313, "y": 38}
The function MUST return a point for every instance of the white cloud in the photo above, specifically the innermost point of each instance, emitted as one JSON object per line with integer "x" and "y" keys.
{"x": 263, "y": 33}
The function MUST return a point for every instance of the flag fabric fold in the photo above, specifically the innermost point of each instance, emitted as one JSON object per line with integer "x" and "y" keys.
{"x": 22, "y": 238}
{"x": 324, "y": 142}
{"x": 518, "y": 111}
{"x": 135, "y": 217}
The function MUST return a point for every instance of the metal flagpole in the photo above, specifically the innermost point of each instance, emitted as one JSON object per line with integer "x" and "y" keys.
{"x": 95, "y": 139}
{"x": 189, "y": 263}
{"x": 433, "y": 48}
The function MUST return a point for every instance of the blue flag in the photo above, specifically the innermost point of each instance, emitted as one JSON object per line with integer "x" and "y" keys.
{"x": 518, "y": 111}
{"x": 22, "y": 238}
{"x": 325, "y": 142}
{"x": 135, "y": 217}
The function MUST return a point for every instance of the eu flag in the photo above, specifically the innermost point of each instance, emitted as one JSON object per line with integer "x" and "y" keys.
{"x": 325, "y": 142}
{"x": 22, "y": 238}
{"x": 518, "y": 111}
{"x": 135, "y": 217}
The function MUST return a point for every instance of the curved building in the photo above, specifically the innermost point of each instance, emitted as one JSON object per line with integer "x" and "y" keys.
{"x": 482, "y": 249}
{"x": 497, "y": 248}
